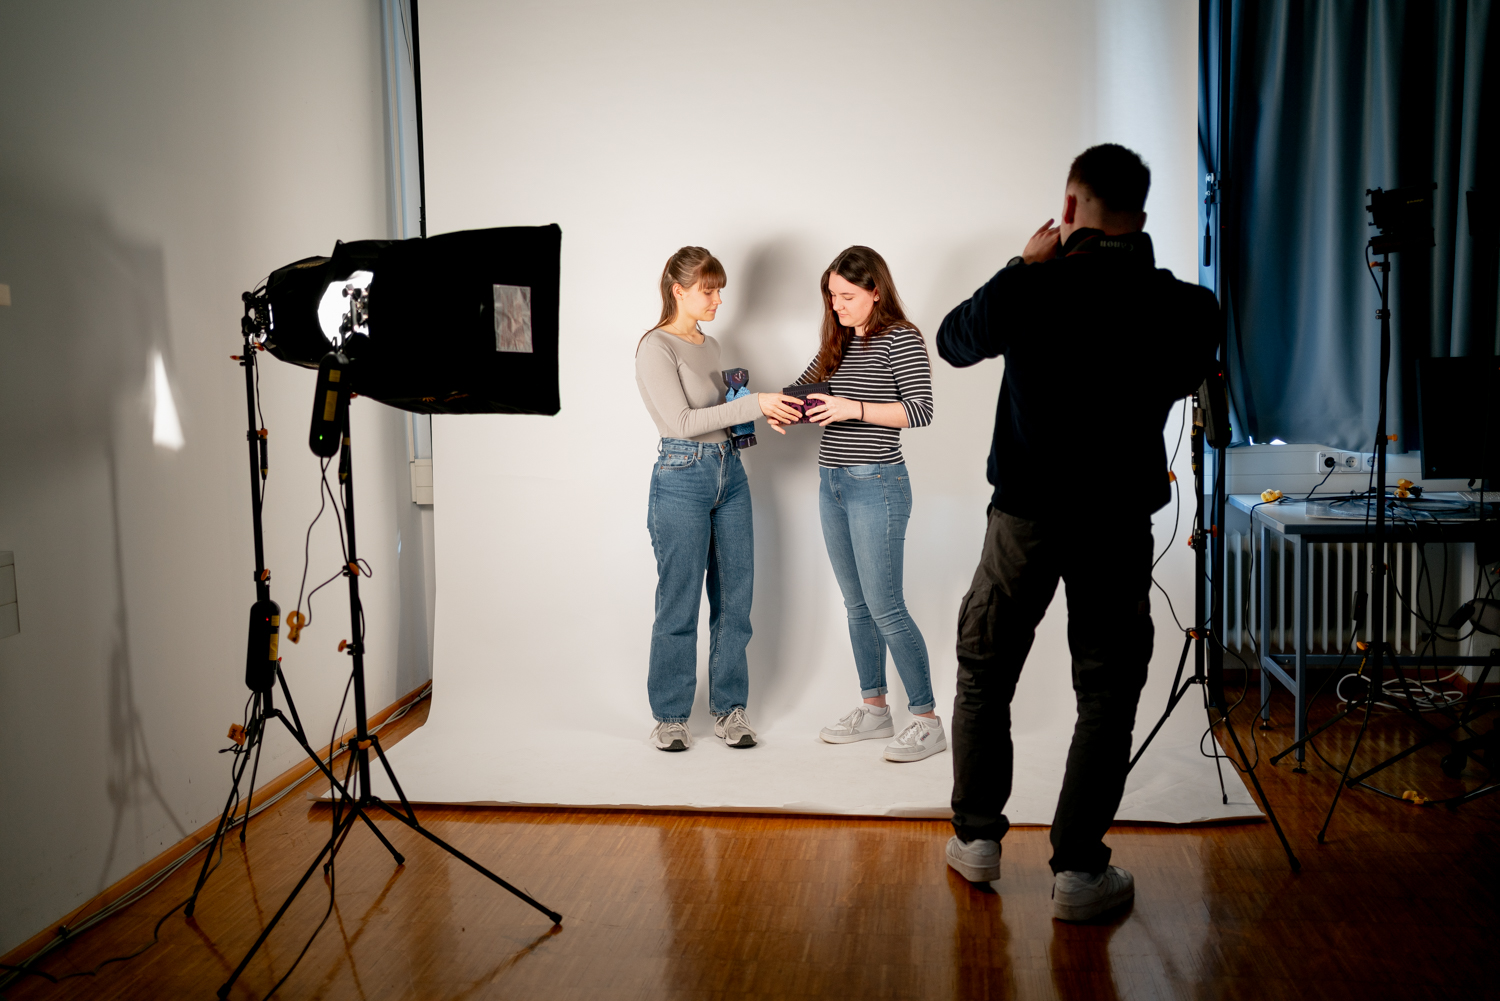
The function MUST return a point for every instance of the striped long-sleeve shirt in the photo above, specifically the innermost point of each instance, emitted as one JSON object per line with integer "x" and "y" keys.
{"x": 891, "y": 367}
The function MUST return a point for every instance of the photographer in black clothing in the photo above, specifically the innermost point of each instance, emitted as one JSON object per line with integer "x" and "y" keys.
{"x": 1098, "y": 344}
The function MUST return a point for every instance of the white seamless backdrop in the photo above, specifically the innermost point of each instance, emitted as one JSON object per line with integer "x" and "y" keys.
{"x": 774, "y": 134}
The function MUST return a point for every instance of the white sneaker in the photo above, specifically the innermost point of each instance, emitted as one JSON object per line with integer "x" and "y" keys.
{"x": 734, "y": 729}
{"x": 978, "y": 861}
{"x": 922, "y": 738}
{"x": 859, "y": 724}
{"x": 672, "y": 736}
{"x": 1078, "y": 896}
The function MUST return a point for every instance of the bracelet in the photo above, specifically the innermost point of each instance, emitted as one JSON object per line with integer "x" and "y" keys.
{"x": 861, "y": 409}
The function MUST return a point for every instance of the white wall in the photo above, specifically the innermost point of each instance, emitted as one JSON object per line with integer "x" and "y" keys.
{"x": 775, "y": 134}
{"x": 156, "y": 159}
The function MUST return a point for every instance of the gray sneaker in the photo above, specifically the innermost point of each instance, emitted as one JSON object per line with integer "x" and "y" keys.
{"x": 734, "y": 729}
{"x": 673, "y": 735}
{"x": 859, "y": 724}
{"x": 922, "y": 738}
{"x": 1078, "y": 896}
{"x": 978, "y": 861}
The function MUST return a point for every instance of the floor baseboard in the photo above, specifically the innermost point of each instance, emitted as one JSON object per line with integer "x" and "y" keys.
{"x": 263, "y": 793}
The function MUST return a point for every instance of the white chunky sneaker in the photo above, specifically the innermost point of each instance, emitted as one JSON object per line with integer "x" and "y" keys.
{"x": 734, "y": 729}
{"x": 1078, "y": 896}
{"x": 672, "y": 736}
{"x": 978, "y": 861}
{"x": 922, "y": 738}
{"x": 860, "y": 724}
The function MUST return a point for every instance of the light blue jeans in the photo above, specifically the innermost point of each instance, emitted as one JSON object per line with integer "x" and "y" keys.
{"x": 864, "y": 510}
{"x": 699, "y": 517}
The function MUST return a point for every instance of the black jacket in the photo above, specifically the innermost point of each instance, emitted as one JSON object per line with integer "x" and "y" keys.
{"x": 1098, "y": 345}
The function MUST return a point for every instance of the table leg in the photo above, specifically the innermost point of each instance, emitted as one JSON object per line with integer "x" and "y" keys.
{"x": 1263, "y": 617}
{"x": 1299, "y": 642}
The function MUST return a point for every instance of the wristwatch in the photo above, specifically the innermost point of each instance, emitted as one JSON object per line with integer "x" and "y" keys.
{"x": 1014, "y": 261}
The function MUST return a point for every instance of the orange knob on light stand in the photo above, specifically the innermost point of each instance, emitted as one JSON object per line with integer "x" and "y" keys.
{"x": 342, "y": 645}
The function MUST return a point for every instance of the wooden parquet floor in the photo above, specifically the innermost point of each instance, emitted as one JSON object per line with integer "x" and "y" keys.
{"x": 1400, "y": 903}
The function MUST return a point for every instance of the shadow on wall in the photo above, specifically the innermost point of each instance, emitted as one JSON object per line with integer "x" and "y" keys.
{"x": 777, "y": 320}
{"x": 83, "y": 348}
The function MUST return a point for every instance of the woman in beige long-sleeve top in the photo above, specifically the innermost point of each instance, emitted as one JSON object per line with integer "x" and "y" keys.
{"x": 699, "y": 512}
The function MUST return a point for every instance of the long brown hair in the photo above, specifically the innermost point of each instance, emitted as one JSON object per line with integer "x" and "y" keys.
{"x": 686, "y": 267}
{"x": 863, "y": 267}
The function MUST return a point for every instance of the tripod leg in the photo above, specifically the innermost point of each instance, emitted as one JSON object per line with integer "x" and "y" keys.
{"x": 374, "y": 828}
{"x": 445, "y": 846}
{"x": 1261, "y": 793}
{"x": 1336, "y": 717}
{"x": 1218, "y": 758}
{"x": 287, "y": 694}
{"x": 359, "y": 810}
{"x": 250, "y": 792}
{"x": 220, "y": 831}
{"x": 340, "y": 787}
{"x": 266, "y": 932}
{"x": 342, "y": 838}
{"x": 1172, "y": 700}
{"x": 1339, "y": 790}
{"x": 391, "y": 774}
{"x": 1468, "y": 797}
{"x": 1426, "y": 741}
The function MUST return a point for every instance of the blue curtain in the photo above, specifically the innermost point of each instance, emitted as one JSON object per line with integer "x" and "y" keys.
{"x": 1304, "y": 105}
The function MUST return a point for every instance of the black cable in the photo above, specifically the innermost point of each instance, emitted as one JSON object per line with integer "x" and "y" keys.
{"x": 307, "y": 538}
{"x": 1228, "y": 710}
{"x": 337, "y": 823}
{"x": 331, "y": 869}
{"x": 25, "y": 969}
{"x": 1320, "y": 483}
{"x": 338, "y": 516}
{"x": 1170, "y": 607}
{"x": 55, "y": 979}
{"x": 156, "y": 880}
{"x": 315, "y": 591}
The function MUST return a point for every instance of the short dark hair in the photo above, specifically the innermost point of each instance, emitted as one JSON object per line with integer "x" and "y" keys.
{"x": 1115, "y": 175}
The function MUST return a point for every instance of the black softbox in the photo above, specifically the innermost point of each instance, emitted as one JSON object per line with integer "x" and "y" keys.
{"x": 462, "y": 323}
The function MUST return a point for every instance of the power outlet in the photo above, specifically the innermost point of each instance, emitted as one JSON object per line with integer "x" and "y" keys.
{"x": 1339, "y": 462}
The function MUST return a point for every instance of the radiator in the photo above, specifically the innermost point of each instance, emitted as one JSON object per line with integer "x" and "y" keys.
{"x": 1338, "y": 570}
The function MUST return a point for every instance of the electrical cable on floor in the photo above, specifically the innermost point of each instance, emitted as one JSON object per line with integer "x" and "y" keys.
{"x": 68, "y": 933}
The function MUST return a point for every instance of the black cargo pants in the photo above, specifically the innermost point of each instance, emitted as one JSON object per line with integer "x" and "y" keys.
{"x": 1106, "y": 569}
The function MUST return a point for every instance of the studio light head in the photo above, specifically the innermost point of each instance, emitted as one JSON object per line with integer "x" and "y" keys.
{"x": 1403, "y": 216}
{"x": 463, "y": 323}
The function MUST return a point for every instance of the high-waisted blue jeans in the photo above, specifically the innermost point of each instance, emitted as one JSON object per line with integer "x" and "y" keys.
{"x": 864, "y": 510}
{"x": 699, "y": 517}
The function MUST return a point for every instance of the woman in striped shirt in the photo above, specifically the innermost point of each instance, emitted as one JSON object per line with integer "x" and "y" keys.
{"x": 881, "y": 382}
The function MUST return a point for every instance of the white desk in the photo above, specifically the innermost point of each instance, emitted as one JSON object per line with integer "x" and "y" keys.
{"x": 1291, "y": 524}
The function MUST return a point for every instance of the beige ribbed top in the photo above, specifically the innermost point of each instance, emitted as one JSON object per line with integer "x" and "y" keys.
{"x": 682, "y": 389}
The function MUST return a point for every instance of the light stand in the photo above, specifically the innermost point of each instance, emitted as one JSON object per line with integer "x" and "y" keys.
{"x": 262, "y": 664}
{"x": 1404, "y": 218}
{"x": 1198, "y": 639}
{"x": 364, "y": 740}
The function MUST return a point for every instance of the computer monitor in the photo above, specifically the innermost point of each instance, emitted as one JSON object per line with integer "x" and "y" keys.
{"x": 1458, "y": 418}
